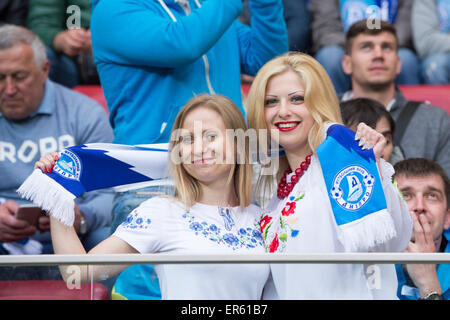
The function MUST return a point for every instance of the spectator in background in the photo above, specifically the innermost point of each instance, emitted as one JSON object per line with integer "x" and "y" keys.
{"x": 38, "y": 116}
{"x": 330, "y": 20}
{"x": 13, "y": 11}
{"x": 375, "y": 115}
{"x": 426, "y": 189}
{"x": 431, "y": 34}
{"x": 63, "y": 25}
{"x": 296, "y": 16}
{"x": 371, "y": 59}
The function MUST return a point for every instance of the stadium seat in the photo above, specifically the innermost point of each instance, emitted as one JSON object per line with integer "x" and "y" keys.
{"x": 437, "y": 95}
{"x": 50, "y": 290}
{"x": 95, "y": 92}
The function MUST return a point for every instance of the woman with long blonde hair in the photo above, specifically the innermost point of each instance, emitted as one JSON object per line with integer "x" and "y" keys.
{"x": 292, "y": 98}
{"x": 210, "y": 213}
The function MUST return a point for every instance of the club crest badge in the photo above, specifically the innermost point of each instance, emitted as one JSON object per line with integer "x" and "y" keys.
{"x": 68, "y": 165}
{"x": 352, "y": 187}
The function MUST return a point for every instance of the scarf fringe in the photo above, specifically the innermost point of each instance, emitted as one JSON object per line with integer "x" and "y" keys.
{"x": 367, "y": 232}
{"x": 50, "y": 196}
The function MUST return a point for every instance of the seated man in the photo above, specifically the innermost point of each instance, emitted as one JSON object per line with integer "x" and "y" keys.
{"x": 37, "y": 117}
{"x": 372, "y": 61}
{"x": 426, "y": 189}
{"x": 331, "y": 19}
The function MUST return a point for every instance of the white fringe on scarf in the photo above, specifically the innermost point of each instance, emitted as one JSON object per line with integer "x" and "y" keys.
{"x": 50, "y": 196}
{"x": 367, "y": 232}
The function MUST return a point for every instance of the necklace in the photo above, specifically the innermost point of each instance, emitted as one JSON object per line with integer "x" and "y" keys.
{"x": 285, "y": 188}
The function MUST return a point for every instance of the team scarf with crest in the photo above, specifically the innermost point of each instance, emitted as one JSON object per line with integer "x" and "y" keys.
{"x": 351, "y": 177}
{"x": 355, "y": 190}
{"x": 90, "y": 167}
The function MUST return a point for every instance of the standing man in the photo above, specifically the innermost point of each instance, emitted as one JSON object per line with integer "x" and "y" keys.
{"x": 426, "y": 188}
{"x": 331, "y": 19}
{"x": 373, "y": 63}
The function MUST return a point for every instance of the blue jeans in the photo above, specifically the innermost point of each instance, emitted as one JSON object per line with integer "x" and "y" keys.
{"x": 436, "y": 69}
{"x": 410, "y": 73}
{"x": 63, "y": 69}
{"x": 331, "y": 59}
{"x": 296, "y": 16}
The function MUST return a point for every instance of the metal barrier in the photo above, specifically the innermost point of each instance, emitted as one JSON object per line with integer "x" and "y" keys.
{"x": 167, "y": 258}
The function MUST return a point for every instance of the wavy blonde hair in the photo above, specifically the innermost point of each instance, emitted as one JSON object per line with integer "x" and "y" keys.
{"x": 320, "y": 98}
{"x": 188, "y": 189}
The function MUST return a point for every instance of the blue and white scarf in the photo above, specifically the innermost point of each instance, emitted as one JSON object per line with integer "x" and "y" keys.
{"x": 91, "y": 167}
{"x": 355, "y": 190}
{"x": 351, "y": 177}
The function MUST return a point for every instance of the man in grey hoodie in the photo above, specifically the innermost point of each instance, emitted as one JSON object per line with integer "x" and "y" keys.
{"x": 373, "y": 63}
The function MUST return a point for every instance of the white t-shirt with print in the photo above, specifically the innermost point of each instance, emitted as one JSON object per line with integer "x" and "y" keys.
{"x": 162, "y": 225}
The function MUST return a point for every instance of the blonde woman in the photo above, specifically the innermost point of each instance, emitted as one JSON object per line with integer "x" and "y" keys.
{"x": 293, "y": 96}
{"x": 211, "y": 212}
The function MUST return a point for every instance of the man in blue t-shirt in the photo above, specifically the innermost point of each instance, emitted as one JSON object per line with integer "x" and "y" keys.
{"x": 426, "y": 188}
{"x": 38, "y": 116}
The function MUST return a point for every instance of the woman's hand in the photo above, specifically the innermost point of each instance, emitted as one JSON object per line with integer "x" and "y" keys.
{"x": 47, "y": 162}
{"x": 370, "y": 139}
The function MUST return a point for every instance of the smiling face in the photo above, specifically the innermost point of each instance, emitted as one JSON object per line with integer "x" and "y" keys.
{"x": 373, "y": 60}
{"x": 204, "y": 148}
{"x": 286, "y": 111}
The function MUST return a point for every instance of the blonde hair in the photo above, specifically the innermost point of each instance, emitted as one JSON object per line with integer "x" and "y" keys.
{"x": 320, "y": 97}
{"x": 188, "y": 189}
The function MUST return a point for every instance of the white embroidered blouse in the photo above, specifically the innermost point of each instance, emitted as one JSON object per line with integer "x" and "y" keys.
{"x": 163, "y": 225}
{"x": 304, "y": 223}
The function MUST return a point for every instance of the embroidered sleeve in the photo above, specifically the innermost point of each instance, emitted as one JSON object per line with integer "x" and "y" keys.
{"x": 144, "y": 226}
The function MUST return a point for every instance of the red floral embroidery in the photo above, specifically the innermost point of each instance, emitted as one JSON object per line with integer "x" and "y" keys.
{"x": 264, "y": 222}
{"x": 289, "y": 209}
{"x": 274, "y": 245}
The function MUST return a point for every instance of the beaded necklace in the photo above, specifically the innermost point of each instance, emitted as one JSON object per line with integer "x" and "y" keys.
{"x": 285, "y": 188}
